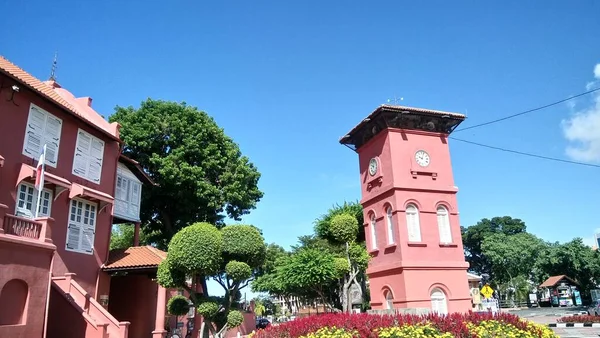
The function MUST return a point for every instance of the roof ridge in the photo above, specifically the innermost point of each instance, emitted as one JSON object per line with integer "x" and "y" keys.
{"x": 39, "y": 87}
{"x": 156, "y": 252}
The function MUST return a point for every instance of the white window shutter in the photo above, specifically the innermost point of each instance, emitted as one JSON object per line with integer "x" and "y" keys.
{"x": 87, "y": 242}
{"x": 52, "y": 139}
{"x": 34, "y": 133}
{"x": 390, "y": 227}
{"x": 96, "y": 158}
{"x": 73, "y": 236}
{"x": 373, "y": 233}
{"x": 81, "y": 159}
{"x": 412, "y": 224}
{"x": 444, "y": 225}
{"x": 135, "y": 199}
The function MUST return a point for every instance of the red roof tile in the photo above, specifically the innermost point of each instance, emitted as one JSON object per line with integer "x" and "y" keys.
{"x": 63, "y": 98}
{"x": 553, "y": 280}
{"x": 136, "y": 257}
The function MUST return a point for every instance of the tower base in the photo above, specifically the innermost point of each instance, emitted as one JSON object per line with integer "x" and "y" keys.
{"x": 443, "y": 290}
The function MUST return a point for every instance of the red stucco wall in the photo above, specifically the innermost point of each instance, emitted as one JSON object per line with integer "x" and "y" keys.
{"x": 65, "y": 319}
{"x": 412, "y": 270}
{"x": 28, "y": 264}
{"x": 133, "y": 299}
{"x": 12, "y": 129}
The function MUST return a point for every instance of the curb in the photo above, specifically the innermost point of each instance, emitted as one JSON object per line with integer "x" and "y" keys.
{"x": 564, "y": 325}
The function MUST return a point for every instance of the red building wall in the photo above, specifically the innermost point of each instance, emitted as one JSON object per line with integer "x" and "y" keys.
{"x": 23, "y": 287}
{"x": 13, "y": 120}
{"x": 141, "y": 312}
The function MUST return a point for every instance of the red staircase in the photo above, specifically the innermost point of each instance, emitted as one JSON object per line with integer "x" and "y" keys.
{"x": 102, "y": 323}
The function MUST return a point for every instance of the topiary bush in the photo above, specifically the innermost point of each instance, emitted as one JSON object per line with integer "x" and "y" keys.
{"x": 243, "y": 243}
{"x": 238, "y": 271}
{"x": 197, "y": 249}
{"x": 178, "y": 305}
{"x": 168, "y": 276}
{"x": 234, "y": 318}
{"x": 344, "y": 227}
{"x": 207, "y": 309}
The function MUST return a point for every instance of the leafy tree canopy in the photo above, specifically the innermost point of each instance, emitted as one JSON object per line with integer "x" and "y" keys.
{"x": 323, "y": 223}
{"x": 201, "y": 173}
{"x": 474, "y": 235}
{"x": 232, "y": 256}
{"x": 512, "y": 255}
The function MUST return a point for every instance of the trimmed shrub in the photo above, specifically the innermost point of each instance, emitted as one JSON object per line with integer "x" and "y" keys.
{"x": 178, "y": 305}
{"x": 196, "y": 249}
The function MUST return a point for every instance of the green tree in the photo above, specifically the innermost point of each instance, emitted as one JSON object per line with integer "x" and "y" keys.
{"x": 323, "y": 223}
{"x": 200, "y": 172}
{"x": 343, "y": 228}
{"x": 574, "y": 259}
{"x": 121, "y": 236}
{"x": 310, "y": 270}
{"x": 511, "y": 256}
{"x": 231, "y": 256}
{"x": 474, "y": 235}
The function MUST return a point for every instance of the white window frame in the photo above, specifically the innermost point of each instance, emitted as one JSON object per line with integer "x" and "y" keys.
{"x": 45, "y": 135}
{"x": 443, "y": 219}
{"x": 83, "y": 227}
{"x": 413, "y": 224}
{"x": 372, "y": 224}
{"x": 19, "y": 211}
{"x": 84, "y": 161}
{"x": 130, "y": 200}
{"x": 389, "y": 300}
{"x": 439, "y": 301}
{"x": 390, "y": 225}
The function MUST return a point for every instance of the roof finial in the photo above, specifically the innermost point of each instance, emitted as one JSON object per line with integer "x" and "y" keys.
{"x": 53, "y": 70}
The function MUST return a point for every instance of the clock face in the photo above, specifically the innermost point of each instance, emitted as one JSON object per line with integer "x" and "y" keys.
{"x": 373, "y": 166}
{"x": 422, "y": 158}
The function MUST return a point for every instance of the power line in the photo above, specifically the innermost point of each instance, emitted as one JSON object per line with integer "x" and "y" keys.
{"x": 527, "y": 111}
{"x": 526, "y": 154}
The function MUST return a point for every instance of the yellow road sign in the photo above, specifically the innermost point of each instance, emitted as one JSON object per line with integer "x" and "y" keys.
{"x": 487, "y": 291}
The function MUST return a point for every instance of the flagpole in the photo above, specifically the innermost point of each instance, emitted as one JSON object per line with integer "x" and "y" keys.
{"x": 41, "y": 180}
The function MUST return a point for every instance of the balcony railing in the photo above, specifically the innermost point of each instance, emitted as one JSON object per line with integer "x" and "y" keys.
{"x": 39, "y": 229}
{"x": 23, "y": 227}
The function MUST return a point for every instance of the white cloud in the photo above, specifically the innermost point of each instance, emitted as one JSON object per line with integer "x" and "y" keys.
{"x": 582, "y": 130}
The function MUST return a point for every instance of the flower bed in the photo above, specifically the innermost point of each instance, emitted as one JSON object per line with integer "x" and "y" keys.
{"x": 580, "y": 319}
{"x": 471, "y": 325}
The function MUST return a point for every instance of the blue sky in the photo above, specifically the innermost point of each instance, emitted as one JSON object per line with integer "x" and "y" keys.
{"x": 287, "y": 79}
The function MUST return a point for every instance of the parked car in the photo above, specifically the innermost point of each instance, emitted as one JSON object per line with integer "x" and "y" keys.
{"x": 594, "y": 308}
{"x": 262, "y": 323}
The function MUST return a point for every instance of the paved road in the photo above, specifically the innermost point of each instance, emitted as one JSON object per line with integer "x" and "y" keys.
{"x": 548, "y": 311}
{"x": 551, "y": 315}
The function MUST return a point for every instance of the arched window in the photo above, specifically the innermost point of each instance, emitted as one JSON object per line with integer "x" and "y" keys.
{"x": 390, "y": 225}
{"x": 443, "y": 221}
{"x": 412, "y": 223}
{"x": 389, "y": 300}
{"x": 438, "y": 302}
{"x": 13, "y": 298}
{"x": 373, "y": 232}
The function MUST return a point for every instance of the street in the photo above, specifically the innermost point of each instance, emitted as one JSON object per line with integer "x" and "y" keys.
{"x": 547, "y": 315}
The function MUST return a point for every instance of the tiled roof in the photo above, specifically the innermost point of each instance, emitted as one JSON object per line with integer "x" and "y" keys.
{"x": 135, "y": 257}
{"x": 553, "y": 280}
{"x": 60, "y": 96}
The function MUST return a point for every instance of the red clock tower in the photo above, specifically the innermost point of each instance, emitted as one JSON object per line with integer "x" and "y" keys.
{"x": 411, "y": 215}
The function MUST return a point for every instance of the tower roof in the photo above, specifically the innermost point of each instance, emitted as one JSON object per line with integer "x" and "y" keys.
{"x": 401, "y": 117}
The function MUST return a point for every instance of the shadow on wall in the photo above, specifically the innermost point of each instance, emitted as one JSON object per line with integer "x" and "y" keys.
{"x": 13, "y": 303}
{"x": 64, "y": 317}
